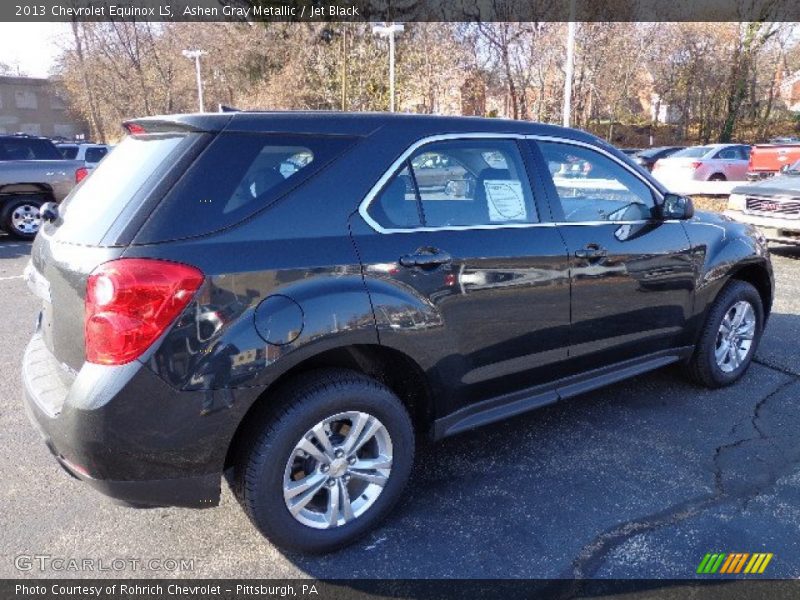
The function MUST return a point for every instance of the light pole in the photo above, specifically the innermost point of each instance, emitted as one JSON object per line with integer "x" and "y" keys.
{"x": 388, "y": 30}
{"x": 568, "y": 68}
{"x": 195, "y": 55}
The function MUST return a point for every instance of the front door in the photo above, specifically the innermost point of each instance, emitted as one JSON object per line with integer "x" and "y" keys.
{"x": 467, "y": 275}
{"x": 631, "y": 272}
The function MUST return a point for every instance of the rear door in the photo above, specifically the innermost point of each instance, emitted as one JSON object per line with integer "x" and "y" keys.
{"x": 631, "y": 273}
{"x": 468, "y": 275}
{"x": 732, "y": 162}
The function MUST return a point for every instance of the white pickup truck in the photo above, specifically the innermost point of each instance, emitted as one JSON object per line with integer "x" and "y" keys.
{"x": 32, "y": 172}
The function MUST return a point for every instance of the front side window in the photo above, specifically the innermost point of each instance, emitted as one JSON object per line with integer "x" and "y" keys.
{"x": 593, "y": 187}
{"x": 459, "y": 183}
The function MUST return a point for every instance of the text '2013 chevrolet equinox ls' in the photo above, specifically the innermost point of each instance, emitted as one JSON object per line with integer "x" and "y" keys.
{"x": 298, "y": 296}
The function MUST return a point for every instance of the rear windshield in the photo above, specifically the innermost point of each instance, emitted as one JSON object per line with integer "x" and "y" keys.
{"x": 694, "y": 152}
{"x": 23, "y": 148}
{"x": 122, "y": 178}
{"x": 235, "y": 177}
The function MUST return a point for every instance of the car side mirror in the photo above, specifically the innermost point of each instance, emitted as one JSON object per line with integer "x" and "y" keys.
{"x": 48, "y": 211}
{"x": 677, "y": 207}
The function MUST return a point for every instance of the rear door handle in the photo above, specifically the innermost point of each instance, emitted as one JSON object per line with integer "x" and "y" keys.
{"x": 591, "y": 251}
{"x": 426, "y": 259}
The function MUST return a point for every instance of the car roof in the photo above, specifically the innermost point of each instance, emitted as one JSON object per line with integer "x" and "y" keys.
{"x": 360, "y": 123}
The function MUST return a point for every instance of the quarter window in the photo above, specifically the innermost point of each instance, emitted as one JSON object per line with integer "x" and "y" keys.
{"x": 459, "y": 183}
{"x": 593, "y": 187}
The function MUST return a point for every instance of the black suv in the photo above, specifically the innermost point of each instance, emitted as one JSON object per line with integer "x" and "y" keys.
{"x": 291, "y": 299}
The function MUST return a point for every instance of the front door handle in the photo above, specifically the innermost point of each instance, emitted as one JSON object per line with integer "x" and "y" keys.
{"x": 426, "y": 260}
{"x": 591, "y": 251}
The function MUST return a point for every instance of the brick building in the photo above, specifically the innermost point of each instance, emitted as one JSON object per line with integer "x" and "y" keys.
{"x": 34, "y": 106}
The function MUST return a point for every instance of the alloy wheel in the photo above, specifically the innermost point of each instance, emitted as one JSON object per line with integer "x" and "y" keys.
{"x": 25, "y": 219}
{"x": 735, "y": 336}
{"x": 337, "y": 470}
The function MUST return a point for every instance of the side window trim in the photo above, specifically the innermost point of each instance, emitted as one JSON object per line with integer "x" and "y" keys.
{"x": 555, "y": 209}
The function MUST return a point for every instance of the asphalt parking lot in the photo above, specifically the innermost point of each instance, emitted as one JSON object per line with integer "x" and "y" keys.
{"x": 637, "y": 480}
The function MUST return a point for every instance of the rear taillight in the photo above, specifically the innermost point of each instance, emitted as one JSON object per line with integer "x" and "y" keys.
{"x": 696, "y": 164}
{"x": 657, "y": 165}
{"x": 134, "y": 128}
{"x": 81, "y": 174}
{"x": 130, "y": 302}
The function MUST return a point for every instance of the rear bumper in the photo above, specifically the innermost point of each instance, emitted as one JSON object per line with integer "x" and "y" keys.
{"x": 126, "y": 433}
{"x": 775, "y": 229}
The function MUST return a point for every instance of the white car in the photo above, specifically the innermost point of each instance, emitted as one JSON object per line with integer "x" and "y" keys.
{"x": 712, "y": 162}
{"x": 90, "y": 154}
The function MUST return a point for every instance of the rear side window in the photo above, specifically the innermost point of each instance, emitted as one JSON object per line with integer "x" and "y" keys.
{"x": 235, "y": 177}
{"x": 459, "y": 183}
{"x": 27, "y": 149}
{"x": 68, "y": 152}
{"x": 94, "y": 155}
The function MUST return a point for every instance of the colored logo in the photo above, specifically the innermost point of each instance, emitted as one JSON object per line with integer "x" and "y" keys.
{"x": 729, "y": 564}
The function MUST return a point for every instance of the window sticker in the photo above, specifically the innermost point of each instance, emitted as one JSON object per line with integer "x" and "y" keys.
{"x": 506, "y": 201}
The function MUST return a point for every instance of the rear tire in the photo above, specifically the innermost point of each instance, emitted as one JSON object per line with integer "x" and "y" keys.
{"x": 20, "y": 217}
{"x": 730, "y": 336}
{"x": 287, "y": 450}
{"x": 718, "y": 177}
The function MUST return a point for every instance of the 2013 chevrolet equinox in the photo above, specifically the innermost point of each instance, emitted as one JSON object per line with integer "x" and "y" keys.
{"x": 299, "y": 295}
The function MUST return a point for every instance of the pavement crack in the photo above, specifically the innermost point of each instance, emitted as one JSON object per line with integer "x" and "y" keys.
{"x": 776, "y": 367}
{"x": 593, "y": 554}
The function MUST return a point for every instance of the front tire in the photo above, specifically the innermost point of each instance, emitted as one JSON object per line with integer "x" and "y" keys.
{"x": 328, "y": 465}
{"x": 730, "y": 336}
{"x": 718, "y": 177}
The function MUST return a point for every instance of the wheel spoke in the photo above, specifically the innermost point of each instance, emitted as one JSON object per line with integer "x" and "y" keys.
{"x": 356, "y": 427}
{"x": 373, "y": 477}
{"x": 370, "y": 464}
{"x": 347, "y": 506}
{"x": 369, "y": 432}
{"x": 722, "y": 351}
{"x": 301, "y": 485}
{"x": 308, "y": 446}
{"x": 324, "y": 440}
{"x": 305, "y": 497}
{"x": 739, "y": 311}
{"x": 733, "y": 355}
{"x": 332, "y": 514}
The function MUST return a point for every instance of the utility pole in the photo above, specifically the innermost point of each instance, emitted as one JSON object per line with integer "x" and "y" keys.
{"x": 195, "y": 55}
{"x": 388, "y": 30}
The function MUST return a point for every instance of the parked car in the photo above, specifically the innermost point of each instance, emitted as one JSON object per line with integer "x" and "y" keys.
{"x": 648, "y": 157}
{"x": 767, "y": 160}
{"x": 351, "y": 315}
{"x": 91, "y": 154}
{"x": 32, "y": 172}
{"x": 772, "y": 205}
{"x": 713, "y": 162}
